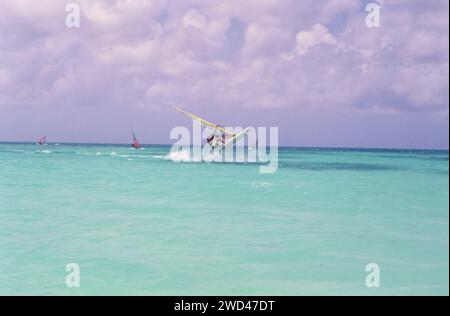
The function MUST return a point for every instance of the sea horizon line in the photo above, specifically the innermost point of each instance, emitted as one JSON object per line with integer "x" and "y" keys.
{"x": 118, "y": 144}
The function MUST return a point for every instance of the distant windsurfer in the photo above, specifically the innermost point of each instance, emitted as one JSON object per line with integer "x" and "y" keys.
{"x": 42, "y": 140}
{"x": 135, "y": 144}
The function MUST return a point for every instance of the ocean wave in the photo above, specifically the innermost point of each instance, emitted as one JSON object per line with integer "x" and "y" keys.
{"x": 212, "y": 157}
{"x": 262, "y": 184}
{"x": 44, "y": 152}
{"x": 186, "y": 156}
{"x": 179, "y": 156}
{"x": 143, "y": 156}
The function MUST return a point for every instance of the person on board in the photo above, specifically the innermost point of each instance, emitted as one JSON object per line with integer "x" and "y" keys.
{"x": 216, "y": 141}
{"x": 210, "y": 139}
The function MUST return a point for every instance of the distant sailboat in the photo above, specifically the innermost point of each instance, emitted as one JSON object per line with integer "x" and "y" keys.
{"x": 42, "y": 140}
{"x": 136, "y": 144}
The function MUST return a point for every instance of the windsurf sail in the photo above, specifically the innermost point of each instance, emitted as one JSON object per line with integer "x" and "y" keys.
{"x": 236, "y": 137}
{"x": 42, "y": 140}
{"x": 135, "y": 143}
{"x": 205, "y": 122}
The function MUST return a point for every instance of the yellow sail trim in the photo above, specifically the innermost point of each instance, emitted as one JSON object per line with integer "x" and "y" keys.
{"x": 204, "y": 122}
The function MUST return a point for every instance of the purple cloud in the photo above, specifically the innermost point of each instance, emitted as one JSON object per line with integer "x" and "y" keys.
{"x": 130, "y": 61}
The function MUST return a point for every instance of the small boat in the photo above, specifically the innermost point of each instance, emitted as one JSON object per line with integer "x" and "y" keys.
{"x": 135, "y": 144}
{"x": 42, "y": 140}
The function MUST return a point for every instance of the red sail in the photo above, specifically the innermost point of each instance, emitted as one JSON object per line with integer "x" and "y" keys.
{"x": 42, "y": 140}
{"x": 135, "y": 144}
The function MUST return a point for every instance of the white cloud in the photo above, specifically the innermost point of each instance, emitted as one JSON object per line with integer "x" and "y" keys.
{"x": 195, "y": 19}
{"x": 5, "y": 77}
{"x": 254, "y": 38}
{"x": 318, "y": 34}
{"x": 152, "y": 53}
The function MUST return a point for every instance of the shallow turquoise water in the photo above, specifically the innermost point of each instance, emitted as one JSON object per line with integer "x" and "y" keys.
{"x": 139, "y": 224}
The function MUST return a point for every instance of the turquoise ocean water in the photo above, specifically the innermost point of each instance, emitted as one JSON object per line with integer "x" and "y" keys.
{"x": 137, "y": 223}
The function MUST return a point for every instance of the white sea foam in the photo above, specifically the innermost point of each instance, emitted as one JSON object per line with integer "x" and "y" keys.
{"x": 179, "y": 156}
{"x": 143, "y": 156}
{"x": 121, "y": 155}
{"x": 214, "y": 156}
{"x": 187, "y": 156}
{"x": 261, "y": 184}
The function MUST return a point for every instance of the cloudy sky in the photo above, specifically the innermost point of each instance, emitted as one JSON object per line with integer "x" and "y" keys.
{"x": 312, "y": 68}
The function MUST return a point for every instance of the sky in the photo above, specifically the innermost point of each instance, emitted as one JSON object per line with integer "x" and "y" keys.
{"x": 314, "y": 69}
